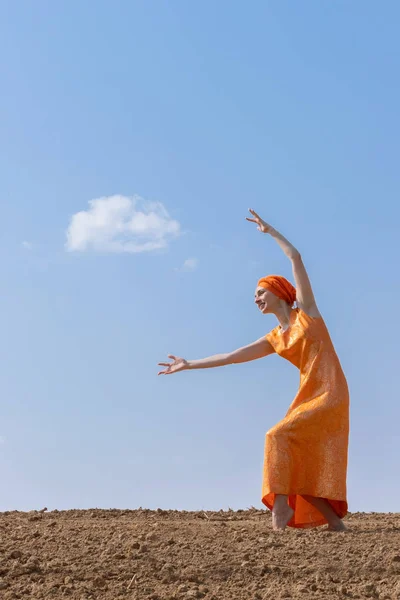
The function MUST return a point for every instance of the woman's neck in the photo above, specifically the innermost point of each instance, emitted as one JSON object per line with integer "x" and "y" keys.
{"x": 282, "y": 313}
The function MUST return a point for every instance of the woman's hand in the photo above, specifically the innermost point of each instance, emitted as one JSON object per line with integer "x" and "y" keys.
{"x": 177, "y": 364}
{"x": 262, "y": 225}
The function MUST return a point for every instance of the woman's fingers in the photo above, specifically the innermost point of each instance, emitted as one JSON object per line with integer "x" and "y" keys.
{"x": 164, "y": 364}
{"x": 169, "y": 366}
{"x": 253, "y": 212}
{"x": 251, "y": 220}
{"x": 166, "y": 371}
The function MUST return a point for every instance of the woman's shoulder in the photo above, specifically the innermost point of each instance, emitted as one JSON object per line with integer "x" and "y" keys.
{"x": 309, "y": 312}
{"x": 313, "y": 322}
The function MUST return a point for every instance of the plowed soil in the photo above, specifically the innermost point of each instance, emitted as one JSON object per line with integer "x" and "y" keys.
{"x": 165, "y": 555}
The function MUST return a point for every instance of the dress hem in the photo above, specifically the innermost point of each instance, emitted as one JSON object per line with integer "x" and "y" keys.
{"x": 309, "y": 525}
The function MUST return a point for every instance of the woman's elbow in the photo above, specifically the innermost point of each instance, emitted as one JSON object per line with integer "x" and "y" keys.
{"x": 295, "y": 256}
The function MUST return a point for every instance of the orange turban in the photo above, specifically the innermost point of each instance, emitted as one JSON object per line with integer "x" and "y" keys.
{"x": 279, "y": 286}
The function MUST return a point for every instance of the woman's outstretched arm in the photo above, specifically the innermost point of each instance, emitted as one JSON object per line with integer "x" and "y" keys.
{"x": 304, "y": 292}
{"x": 253, "y": 351}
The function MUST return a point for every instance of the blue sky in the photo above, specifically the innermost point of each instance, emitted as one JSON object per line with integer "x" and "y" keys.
{"x": 188, "y": 113}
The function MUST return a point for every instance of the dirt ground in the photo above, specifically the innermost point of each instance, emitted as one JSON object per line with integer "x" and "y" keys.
{"x": 165, "y": 555}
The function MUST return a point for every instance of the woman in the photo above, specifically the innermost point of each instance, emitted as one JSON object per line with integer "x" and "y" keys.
{"x": 305, "y": 461}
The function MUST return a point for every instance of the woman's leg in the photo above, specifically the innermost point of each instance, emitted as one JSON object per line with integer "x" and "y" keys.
{"x": 281, "y": 512}
{"x": 334, "y": 522}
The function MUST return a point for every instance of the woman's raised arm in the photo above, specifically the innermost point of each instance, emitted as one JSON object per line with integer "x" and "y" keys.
{"x": 304, "y": 293}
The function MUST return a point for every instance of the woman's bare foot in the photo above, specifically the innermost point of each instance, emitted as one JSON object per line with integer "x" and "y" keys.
{"x": 281, "y": 518}
{"x": 340, "y": 526}
{"x": 281, "y": 513}
{"x": 324, "y": 507}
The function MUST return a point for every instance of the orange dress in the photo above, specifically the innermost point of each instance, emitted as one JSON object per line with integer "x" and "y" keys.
{"x": 306, "y": 453}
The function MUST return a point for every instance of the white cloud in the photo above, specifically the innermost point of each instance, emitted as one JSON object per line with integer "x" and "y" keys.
{"x": 2, "y": 439}
{"x": 26, "y": 245}
{"x": 190, "y": 264}
{"x": 121, "y": 224}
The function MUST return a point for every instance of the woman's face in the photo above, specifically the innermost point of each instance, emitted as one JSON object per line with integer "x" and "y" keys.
{"x": 265, "y": 300}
